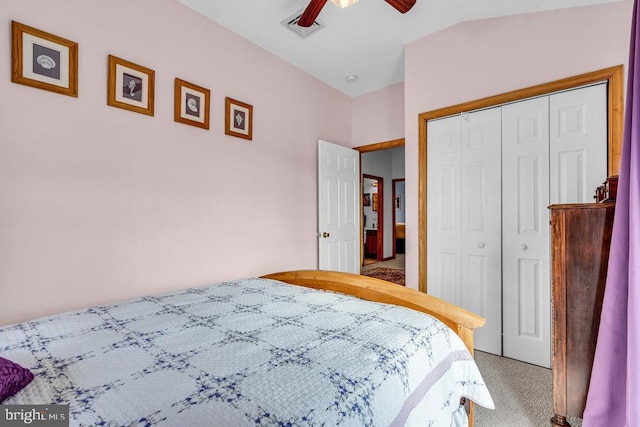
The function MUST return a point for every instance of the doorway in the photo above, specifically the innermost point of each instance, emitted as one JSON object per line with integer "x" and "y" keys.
{"x": 386, "y": 161}
{"x": 398, "y": 217}
{"x": 373, "y": 218}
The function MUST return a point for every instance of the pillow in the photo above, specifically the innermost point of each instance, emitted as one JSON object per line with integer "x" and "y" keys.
{"x": 13, "y": 378}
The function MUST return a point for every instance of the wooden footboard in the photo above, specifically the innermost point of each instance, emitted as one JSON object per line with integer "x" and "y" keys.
{"x": 460, "y": 320}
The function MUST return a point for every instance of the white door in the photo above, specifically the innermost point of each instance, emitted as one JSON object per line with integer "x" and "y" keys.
{"x": 481, "y": 215}
{"x": 526, "y": 290}
{"x": 554, "y": 151}
{"x": 338, "y": 208}
{"x": 443, "y": 209}
{"x": 488, "y": 251}
{"x": 578, "y": 132}
{"x": 463, "y": 218}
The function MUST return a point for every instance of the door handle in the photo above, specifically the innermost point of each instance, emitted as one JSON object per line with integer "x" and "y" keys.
{"x": 325, "y": 234}
{"x": 481, "y": 245}
{"x": 523, "y": 247}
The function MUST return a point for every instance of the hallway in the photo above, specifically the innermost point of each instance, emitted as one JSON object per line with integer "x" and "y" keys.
{"x": 396, "y": 264}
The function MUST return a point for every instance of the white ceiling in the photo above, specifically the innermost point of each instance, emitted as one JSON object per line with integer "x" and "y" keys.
{"x": 366, "y": 39}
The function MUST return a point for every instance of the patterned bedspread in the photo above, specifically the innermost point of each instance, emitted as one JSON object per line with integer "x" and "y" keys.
{"x": 249, "y": 352}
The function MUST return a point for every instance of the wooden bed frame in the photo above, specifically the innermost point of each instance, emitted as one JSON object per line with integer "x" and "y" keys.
{"x": 460, "y": 320}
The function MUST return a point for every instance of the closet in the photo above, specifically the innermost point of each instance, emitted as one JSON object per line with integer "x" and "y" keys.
{"x": 491, "y": 174}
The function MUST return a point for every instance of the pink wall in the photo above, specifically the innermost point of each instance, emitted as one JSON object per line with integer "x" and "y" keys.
{"x": 378, "y": 116}
{"x": 477, "y": 59}
{"x": 99, "y": 204}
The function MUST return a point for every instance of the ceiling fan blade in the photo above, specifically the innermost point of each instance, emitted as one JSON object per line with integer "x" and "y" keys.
{"x": 402, "y": 6}
{"x": 311, "y": 13}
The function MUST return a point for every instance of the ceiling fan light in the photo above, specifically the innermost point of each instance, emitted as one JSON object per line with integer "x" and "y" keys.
{"x": 344, "y": 3}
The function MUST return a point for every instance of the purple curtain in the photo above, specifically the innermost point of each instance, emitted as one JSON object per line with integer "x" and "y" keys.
{"x": 614, "y": 391}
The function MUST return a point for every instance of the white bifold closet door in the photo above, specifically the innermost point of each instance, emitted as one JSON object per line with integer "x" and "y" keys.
{"x": 526, "y": 289}
{"x": 578, "y": 143}
{"x": 491, "y": 175}
{"x": 464, "y": 266}
{"x": 554, "y": 150}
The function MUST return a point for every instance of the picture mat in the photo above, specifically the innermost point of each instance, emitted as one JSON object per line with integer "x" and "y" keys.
{"x": 232, "y": 123}
{"x": 28, "y": 40}
{"x": 183, "y": 105}
{"x": 120, "y": 71}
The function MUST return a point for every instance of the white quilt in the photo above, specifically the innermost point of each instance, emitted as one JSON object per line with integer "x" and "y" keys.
{"x": 251, "y": 352}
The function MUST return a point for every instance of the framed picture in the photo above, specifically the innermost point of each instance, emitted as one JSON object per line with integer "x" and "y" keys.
{"x": 43, "y": 60}
{"x": 366, "y": 199}
{"x": 191, "y": 104}
{"x": 398, "y": 202}
{"x": 374, "y": 206}
{"x": 238, "y": 119}
{"x": 131, "y": 86}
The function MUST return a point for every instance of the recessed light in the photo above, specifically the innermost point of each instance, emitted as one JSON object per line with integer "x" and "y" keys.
{"x": 352, "y": 78}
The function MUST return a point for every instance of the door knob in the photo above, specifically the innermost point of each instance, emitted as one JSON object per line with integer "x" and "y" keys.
{"x": 481, "y": 245}
{"x": 523, "y": 247}
{"x": 325, "y": 234}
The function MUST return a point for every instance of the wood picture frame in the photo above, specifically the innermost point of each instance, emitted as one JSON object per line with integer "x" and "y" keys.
{"x": 191, "y": 104}
{"x": 238, "y": 119}
{"x": 374, "y": 202}
{"x": 43, "y": 60}
{"x": 130, "y": 86}
{"x": 366, "y": 199}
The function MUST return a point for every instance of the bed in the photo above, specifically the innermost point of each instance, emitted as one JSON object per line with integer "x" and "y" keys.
{"x": 256, "y": 351}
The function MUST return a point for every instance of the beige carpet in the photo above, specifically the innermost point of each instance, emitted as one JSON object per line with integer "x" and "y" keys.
{"x": 521, "y": 392}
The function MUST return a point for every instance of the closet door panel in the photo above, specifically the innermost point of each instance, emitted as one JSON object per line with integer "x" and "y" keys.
{"x": 578, "y": 143}
{"x": 529, "y": 285}
{"x": 443, "y": 209}
{"x": 525, "y": 231}
{"x": 481, "y": 266}
{"x": 464, "y": 220}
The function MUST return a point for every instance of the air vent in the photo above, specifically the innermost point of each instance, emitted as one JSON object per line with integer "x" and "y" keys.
{"x": 303, "y": 32}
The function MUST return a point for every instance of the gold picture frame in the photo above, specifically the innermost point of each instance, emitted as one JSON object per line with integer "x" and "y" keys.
{"x": 43, "y": 60}
{"x": 238, "y": 119}
{"x": 130, "y": 86}
{"x": 191, "y": 104}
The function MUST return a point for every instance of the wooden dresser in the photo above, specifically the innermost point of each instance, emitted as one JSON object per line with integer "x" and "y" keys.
{"x": 580, "y": 239}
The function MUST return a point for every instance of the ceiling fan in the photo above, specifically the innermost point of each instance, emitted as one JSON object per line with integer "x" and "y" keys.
{"x": 315, "y": 6}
